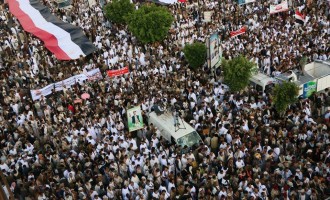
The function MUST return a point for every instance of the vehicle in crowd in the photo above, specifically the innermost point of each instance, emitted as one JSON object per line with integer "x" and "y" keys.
{"x": 315, "y": 78}
{"x": 262, "y": 82}
{"x": 174, "y": 129}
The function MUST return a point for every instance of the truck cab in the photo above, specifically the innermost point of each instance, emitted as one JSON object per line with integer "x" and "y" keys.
{"x": 261, "y": 82}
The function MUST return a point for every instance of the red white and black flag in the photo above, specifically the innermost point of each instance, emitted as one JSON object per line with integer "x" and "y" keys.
{"x": 63, "y": 39}
{"x": 238, "y": 32}
{"x": 300, "y": 18}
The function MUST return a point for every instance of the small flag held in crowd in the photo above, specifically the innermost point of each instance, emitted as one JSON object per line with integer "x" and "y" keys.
{"x": 300, "y": 18}
{"x": 238, "y": 32}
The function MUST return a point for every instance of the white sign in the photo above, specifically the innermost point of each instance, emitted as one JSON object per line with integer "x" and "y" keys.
{"x": 279, "y": 7}
{"x": 208, "y": 16}
{"x": 91, "y": 3}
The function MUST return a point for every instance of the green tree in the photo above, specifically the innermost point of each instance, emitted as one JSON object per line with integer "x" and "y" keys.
{"x": 237, "y": 72}
{"x": 195, "y": 54}
{"x": 117, "y": 10}
{"x": 150, "y": 23}
{"x": 284, "y": 94}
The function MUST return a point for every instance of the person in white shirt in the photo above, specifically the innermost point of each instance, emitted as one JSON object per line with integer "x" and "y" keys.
{"x": 222, "y": 130}
{"x": 170, "y": 186}
{"x": 253, "y": 104}
{"x": 133, "y": 186}
{"x": 192, "y": 95}
{"x": 91, "y": 131}
{"x": 184, "y": 161}
{"x": 223, "y": 145}
{"x": 299, "y": 174}
{"x": 221, "y": 174}
{"x": 154, "y": 141}
{"x": 29, "y": 148}
{"x": 125, "y": 193}
{"x": 163, "y": 161}
{"x": 4, "y": 166}
{"x": 222, "y": 193}
{"x": 240, "y": 163}
{"x": 153, "y": 161}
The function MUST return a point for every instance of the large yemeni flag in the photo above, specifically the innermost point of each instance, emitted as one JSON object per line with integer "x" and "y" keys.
{"x": 238, "y": 32}
{"x": 300, "y": 18}
{"x": 63, "y": 39}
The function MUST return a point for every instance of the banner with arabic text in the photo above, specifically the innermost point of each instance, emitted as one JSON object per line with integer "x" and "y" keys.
{"x": 36, "y": 94}
{"x": 118, "y": 72}
{"x": 238, "y": 32}
{"x": 92, "y": 75}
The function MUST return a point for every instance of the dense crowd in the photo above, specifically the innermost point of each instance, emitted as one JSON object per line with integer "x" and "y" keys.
{"x": 59, "y": 148}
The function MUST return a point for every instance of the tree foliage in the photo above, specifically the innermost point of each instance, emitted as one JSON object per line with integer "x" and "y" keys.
{"x": 150, "y": 23}
{"x": 117, "y": 10}
{"x": 195, "y": 54}
{"x": 284, "y": 94}
{"x": 237, "y": 72}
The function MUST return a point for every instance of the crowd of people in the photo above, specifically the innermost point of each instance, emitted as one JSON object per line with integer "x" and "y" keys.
{"x": 60, "y": 148}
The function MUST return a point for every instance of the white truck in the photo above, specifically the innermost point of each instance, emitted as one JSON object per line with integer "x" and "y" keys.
{"x": 174, "y": 129}
{"x": 316, "y": 78}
